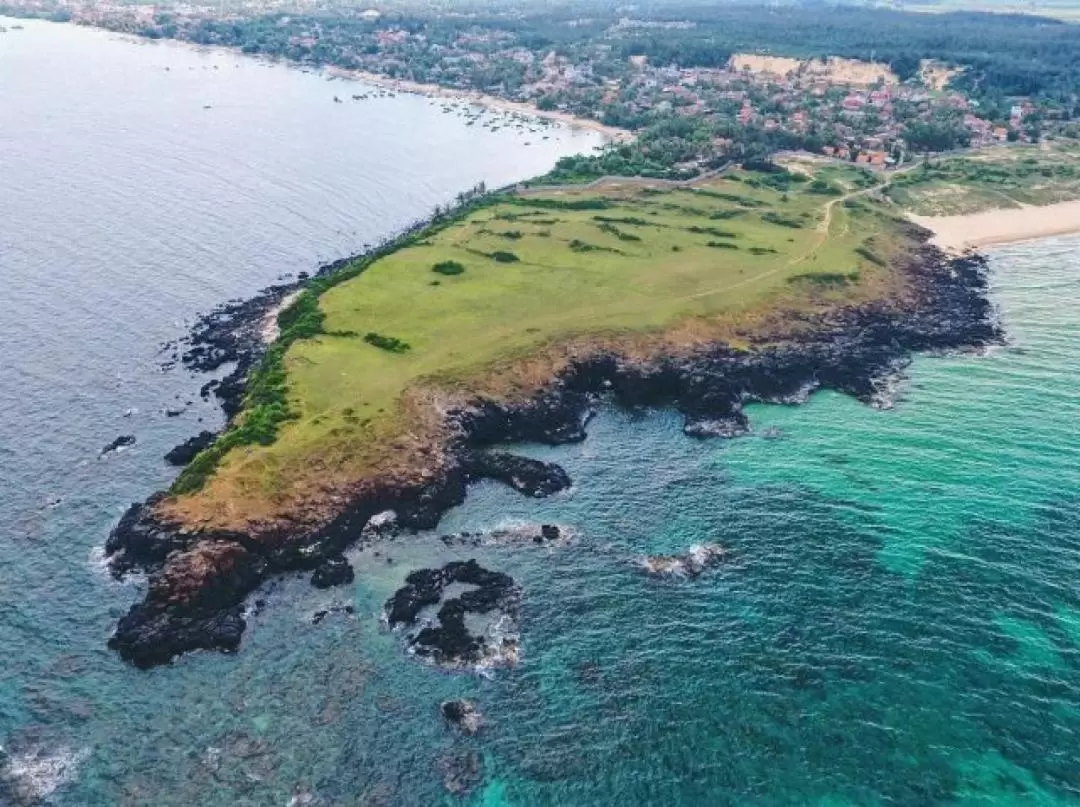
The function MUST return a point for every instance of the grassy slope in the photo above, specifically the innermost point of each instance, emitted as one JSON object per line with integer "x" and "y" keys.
{"x": 357, "y": 405}
{"x": 992, "y": 179}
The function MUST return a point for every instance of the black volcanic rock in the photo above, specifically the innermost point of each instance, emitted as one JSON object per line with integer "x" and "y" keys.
{"x": 148, "y": 637}
{"x": 463, "y": 715}
{"x": 527, "y": 476}
{"x": 140, "y": 540}
{"x": 122, "y": 441}
{"x": 187, "y": 609}
{"x": 334, "y": 571}
{"x": 447, "y": 640}
{"x": 186, "y": 451}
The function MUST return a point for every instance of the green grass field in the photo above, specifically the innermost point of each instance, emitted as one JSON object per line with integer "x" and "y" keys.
{"x": 1005, "y": 177}
{"x": 525, "y": 275}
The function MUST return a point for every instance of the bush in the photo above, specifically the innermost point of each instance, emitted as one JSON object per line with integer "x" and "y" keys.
{"x": 390, "y": 343}
{"x": 781, "y": 221}
{"x": 504, "y": 257}
{"x": 722, "y": 245}
{"x": 713, "y": 231}
{"x": 824, "y": 188}
{"x": 871, "y": 256}
{"x": 448, "y": 268}
{"x": 826, "y": 279}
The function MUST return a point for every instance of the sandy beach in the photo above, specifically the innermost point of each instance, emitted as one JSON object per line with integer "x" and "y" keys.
{"x": 610, "y": 133}
{"x": 1002, "y": 226}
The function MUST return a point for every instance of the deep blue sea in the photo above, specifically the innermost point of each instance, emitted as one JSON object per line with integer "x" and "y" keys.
{"x": 897, "y": 620}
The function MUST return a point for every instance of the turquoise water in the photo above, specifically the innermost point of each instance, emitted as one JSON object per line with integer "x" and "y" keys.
{"x": 898, "y": 621}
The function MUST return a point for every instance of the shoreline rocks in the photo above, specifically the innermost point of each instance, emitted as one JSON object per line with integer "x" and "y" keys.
{"x": 334, "y": 571}
{"x": 855, "y": 349}
{"x": 185, "y": 452}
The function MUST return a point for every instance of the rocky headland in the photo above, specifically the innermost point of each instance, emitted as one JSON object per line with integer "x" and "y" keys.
{"x": 200, "y": 577}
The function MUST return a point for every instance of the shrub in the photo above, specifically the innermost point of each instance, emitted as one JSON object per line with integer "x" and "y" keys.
{"x": 713, "y": 231}
{"x": 615, "y": 231}
{"x": 726, "y": 214}
{"x": 824, "y": 188}
{"x": 781, "y": 221}
{"x": 871, "y": 256}
{"x": 448, "y": 268}
{"x": 826, "y": 279}
{"x": 389, "y": 343}
{"x": 501, "y": 256}
{"x": 722, "y": 245}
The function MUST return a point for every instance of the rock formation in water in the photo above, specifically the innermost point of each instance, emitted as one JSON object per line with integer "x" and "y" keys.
{"x": 463, "y": 715}
{"x": 689, "y": 564}
{"x": 123, "y": 441}
{"x": 334, "y": 571}
{"x": 446, "y": 639}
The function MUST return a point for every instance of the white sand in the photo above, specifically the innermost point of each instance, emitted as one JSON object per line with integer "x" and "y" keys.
{"x": 1002, "y": 226}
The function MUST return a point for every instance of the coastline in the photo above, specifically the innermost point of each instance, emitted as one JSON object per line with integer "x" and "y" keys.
{"x": 612, "y": 134}
{"x": 1001, "y": 226}
{"x": 199, "y": 578}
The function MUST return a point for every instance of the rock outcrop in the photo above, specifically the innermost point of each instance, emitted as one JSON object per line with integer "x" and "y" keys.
{"x": 446, "y": 639}
{"x": 186, "y": 451}
{"x": 689, "y": 564}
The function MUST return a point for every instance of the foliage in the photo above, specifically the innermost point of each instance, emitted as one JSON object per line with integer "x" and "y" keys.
{"x": 449, "y": 268}
{"x": 781, "y": 220}
{"x": 388, "y": 343}
{"x": 826, "y": 279}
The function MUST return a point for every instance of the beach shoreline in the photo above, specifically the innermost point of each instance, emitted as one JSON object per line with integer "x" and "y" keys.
{"x": 612, "y": 134}
{"x": 1003, "y": 226}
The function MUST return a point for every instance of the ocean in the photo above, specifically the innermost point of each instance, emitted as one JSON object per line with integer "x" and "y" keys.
{"x": 896, "y": 620}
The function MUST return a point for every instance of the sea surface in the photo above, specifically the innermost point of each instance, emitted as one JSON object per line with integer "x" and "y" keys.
{"x": 897, "y": 621}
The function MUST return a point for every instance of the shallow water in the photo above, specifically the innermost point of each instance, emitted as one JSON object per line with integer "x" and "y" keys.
{"x": 897, "y": 623}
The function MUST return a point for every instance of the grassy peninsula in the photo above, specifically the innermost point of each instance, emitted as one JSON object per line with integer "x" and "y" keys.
{"x": 491, "y": 302}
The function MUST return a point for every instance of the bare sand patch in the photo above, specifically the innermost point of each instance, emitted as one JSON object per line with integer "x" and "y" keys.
{"x": 834, "y": 69}
{"x": 1002, "y": 226}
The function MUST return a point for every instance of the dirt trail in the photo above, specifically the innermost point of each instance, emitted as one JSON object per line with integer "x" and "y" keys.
{"x": 823, "y": 228}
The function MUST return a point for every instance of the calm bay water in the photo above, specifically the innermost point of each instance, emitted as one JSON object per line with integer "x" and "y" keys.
{"x": 899, "y": 622}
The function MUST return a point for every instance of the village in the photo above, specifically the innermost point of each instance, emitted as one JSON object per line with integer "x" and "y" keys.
{"x": 750, "y": 103}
